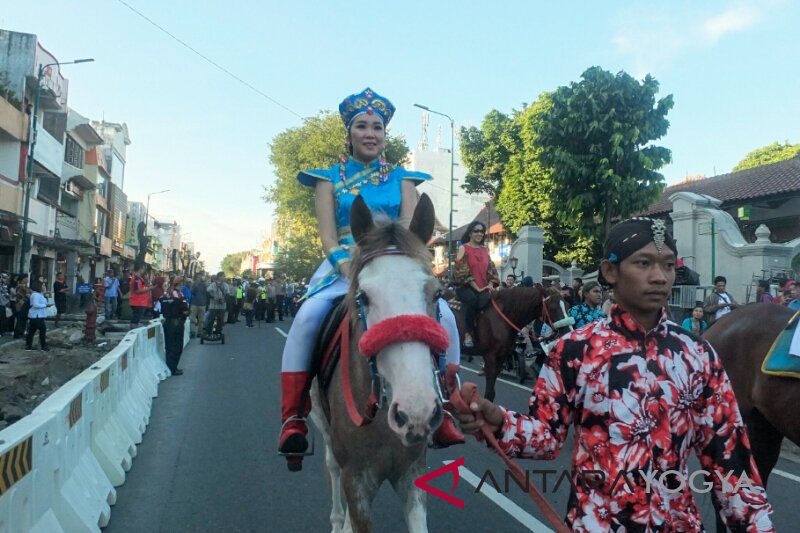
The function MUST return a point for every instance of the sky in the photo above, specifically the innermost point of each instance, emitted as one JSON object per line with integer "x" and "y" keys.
{"x": 731, "y": 66}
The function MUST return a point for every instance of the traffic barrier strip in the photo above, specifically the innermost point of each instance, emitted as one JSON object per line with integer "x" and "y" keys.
{"x": 27, "y": 463}
{"x": 59, "y": 465}
{"x": 82, "y": 492}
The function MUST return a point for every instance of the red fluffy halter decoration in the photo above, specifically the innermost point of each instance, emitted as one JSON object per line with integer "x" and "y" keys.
{"x": 403, "y": 328}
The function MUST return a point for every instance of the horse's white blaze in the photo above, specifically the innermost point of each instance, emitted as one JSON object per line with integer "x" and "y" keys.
{"x": 406, "y": 367}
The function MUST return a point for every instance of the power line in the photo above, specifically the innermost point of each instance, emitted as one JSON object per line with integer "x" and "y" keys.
{"x": 211, "y": 61}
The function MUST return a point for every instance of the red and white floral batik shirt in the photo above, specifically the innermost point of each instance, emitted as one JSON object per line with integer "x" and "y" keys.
{"x": 640, "y": 402}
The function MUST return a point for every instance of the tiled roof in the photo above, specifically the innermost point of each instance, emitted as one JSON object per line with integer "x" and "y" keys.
{"x": 488, "y": 215}
{"x": 759, "y": 182}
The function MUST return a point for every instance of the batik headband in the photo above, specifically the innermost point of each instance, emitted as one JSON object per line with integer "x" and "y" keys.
{"x": 633, "y": 234}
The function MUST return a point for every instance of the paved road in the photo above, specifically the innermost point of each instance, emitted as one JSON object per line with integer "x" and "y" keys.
{"x": 208, "y": 462}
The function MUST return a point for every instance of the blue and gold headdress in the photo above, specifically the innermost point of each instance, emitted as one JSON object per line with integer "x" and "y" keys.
{"x": 367, "y": 101}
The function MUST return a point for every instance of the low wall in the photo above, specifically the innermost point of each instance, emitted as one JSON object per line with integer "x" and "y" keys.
{"x": 60, "y": 465}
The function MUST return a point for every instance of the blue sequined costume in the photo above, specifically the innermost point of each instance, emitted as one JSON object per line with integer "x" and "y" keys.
{"x": 326, "y": 283}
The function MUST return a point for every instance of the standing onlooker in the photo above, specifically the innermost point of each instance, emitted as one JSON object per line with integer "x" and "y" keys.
{"x": 762, "y": 292}
{"x": 140, "y": 296}
{"x": 23, "y": 305}
{"x": 589, "y": 309}
{"x": 60, "y": 290}
{"x": 577, "y": 291}
{"x": 249, "y": 304}
{"x": 36, "y": 316}
{"x": 609, "y": 301}
{"x": 175, "y": 309}
{"x": 719, "y": 303}
{"x": 280, "y": 296}
{"x": 794, "y": 296}
{"x": 186, "y": 289}
{"x": 156, "y": 292}
{"x": 111, "y": 294}
{"x": 217, "y": 303}
{"x": 199, "y": 302}
{"x": 288, "y": 300}
{"x": 695, "y": 323}
{"x": 124, "y": 298}
{"x": 511, "y": 280}
{"x": 5, "y": 303}
{"x": 271, "y": 294}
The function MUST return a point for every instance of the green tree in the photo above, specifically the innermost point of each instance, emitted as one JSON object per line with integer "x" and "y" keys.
{"x": 231, "y": 264}
{"x": 765, "y": 155}
{"x": 597, "y": 139}
{"x": 503, "y": 159}
{"x": 318, "y": 143}
{"x": 487, "y": 151}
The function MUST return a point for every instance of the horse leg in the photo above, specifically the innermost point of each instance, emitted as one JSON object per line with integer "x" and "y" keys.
{"x": 360, "y": 488}
{"x": 765, "y": 443}
{"x": 414, "y": 500}
{"x": 491, "y": 371}
{"x": 333, "y": 471}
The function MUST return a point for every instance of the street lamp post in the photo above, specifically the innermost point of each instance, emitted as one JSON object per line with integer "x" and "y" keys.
{"x": 147, "y": 209}
{"x": 29, "y": 164}
{"x": 452, "y": 179}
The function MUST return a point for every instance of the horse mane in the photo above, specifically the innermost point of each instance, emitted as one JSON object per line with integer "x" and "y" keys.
{"x": 386, "y": 234}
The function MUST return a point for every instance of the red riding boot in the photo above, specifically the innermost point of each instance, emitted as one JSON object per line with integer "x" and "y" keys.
{"x": 448, "y": 433}
{"x": 295, "y": 406}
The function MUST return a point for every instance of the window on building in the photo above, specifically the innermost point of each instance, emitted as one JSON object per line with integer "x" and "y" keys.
{"x": 73, "y": 153}
{"x": 100, "y": 222}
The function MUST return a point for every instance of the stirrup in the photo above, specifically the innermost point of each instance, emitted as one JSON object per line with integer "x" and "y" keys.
{"x": 309, "y": 433}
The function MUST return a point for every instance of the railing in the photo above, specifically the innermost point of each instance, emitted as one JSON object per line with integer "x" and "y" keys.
{"x": 686, "y": 296}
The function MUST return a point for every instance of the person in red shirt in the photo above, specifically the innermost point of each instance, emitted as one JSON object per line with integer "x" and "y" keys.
{"x": 140, "y": 296}
{"x": 475, "y": 275}
{"x": 642, "y": 394}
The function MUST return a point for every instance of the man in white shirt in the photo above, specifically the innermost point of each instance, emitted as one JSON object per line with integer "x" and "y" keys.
{"x": 719, "y": 303}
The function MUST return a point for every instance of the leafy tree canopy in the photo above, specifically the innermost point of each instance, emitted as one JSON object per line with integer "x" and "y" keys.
{"x": 765, "y": 155}
{"x": 597, "y": 140}
{"x": 232, "y": 263}
{"x": 318, "y": 143}
{"x": 503, "y": 159}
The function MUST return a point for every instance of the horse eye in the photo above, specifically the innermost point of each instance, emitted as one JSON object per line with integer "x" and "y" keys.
{"x": 437, "y": 294}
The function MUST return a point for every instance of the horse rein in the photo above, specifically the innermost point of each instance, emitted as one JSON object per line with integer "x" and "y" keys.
{"x": 544, "y": 506}
{"x": 545, "y": 317}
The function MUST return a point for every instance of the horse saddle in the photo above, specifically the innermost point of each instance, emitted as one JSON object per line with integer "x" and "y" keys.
{"x": 483, "y": 300}
{"x": 783, "y": 358}
{"x": 326, "y": 356}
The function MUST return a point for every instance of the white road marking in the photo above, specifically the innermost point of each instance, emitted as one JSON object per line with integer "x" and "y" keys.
{"x": 787, "y": 475}
{"x": 504, "y": 503}
{"x": 517, "y": 385}
{"x": 286, "y": 335}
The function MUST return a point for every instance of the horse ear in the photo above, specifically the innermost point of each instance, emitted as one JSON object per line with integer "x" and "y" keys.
{"x": 423, "y": 220}
{"x": 360, "y": 218}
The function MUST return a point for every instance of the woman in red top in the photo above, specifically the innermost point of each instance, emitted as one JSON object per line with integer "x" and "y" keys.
{"x": 475, "y": 275}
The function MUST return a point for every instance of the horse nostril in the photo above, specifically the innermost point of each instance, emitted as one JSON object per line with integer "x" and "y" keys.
{"x": 400, "y": 417}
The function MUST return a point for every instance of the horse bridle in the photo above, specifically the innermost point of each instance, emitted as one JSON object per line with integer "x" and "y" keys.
{"x": 378, "y": 395}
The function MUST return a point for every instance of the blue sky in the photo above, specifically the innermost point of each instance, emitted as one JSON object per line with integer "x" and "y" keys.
{"x": 731, "y": 66}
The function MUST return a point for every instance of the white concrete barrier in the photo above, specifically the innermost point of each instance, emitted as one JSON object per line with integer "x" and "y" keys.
{"x": 59, "y": 465}
{"x": 82, "y": 491}
{"x": 27, "y": 461}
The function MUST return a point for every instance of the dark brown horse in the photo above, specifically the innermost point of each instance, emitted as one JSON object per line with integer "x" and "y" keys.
{"x": 768, "y": 404}
{"x": 392, "y": 291}
{"x": 496, "y": 331}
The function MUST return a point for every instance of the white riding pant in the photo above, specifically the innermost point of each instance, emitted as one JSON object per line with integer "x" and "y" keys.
{"x": 299, "y": 345}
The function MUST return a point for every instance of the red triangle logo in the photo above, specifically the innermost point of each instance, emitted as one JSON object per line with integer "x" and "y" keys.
{"x": 422, "y": 482}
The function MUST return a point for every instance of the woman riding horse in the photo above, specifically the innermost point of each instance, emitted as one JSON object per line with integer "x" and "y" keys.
{"x": 386, "y": 188}
{"x": 475, "y": 275}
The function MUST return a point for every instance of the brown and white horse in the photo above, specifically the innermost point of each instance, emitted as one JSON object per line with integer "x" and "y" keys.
{"x": 394, "y": 297}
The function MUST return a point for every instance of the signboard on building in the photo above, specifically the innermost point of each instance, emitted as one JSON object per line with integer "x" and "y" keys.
{"x": 52, "y": 78}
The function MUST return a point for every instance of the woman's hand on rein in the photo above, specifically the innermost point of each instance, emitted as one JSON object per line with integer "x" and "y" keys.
{"x": 470, "y": 423}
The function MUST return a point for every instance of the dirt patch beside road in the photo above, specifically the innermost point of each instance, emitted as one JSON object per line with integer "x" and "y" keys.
{"x": 27, "y": 378}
